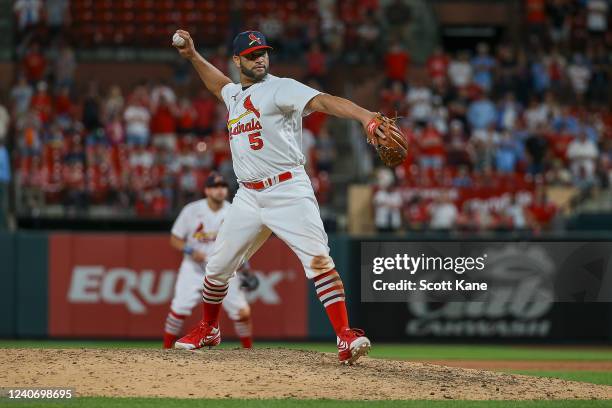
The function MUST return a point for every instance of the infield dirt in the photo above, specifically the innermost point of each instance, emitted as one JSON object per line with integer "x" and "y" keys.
{"x": 269, "y": 373}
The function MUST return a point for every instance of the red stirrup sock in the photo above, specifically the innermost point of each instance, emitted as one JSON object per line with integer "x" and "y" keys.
{"x": 212, "y": 296}
{"x": 330, "y": 292}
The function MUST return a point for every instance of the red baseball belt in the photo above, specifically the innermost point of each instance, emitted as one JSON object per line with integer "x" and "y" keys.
{"x": 270, "y": 181}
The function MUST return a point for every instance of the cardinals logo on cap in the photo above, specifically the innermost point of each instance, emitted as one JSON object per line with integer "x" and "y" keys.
{"x": 254, "y": 39}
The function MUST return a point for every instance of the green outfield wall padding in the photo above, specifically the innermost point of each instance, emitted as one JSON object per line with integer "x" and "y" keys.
{"x": 319, "y": 327}
{"x": 7, "y": 289}
{"x": 32, "y": 282}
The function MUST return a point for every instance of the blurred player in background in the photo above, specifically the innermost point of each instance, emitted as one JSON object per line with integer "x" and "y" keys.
{"x": 194, "y": 233}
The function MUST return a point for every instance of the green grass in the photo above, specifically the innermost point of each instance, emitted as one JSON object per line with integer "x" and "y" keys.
{"x": 379, "y": 350}
{"x": 595, "y": 377}
{"x": 236, "y": 403}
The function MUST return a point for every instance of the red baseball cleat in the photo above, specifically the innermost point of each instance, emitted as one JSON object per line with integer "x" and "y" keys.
{"x": 352, "y": 344}
{"x": 202, "y": 335}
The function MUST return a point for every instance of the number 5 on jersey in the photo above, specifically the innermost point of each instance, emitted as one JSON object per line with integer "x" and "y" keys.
{"x": 255, "y": 140}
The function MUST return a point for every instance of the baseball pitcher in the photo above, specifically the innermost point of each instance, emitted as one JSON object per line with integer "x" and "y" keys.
{"x": 275, "y": 193}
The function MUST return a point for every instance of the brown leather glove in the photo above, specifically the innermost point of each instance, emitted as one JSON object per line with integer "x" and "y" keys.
{"x": 384, "y": 134}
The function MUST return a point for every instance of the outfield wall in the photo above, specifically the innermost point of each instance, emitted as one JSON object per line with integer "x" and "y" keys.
{"x": 119, "y": 285}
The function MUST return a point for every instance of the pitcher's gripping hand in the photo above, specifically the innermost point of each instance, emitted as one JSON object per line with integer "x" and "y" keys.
{"x": 187, "y": 50}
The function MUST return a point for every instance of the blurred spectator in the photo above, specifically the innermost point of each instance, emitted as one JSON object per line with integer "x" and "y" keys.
{"x": 509, "y": 112}
{"x": 516, "y": 212}
{"x": 29, "y": 134}
{"x": 439, "y": 114}
{"x": 419, "y": 100}
{"x": 5, "y": 121}
{"x": 186, "y": 115}
{"x": 507, "y": 154}
{"x": 161, "y": 91}
{"x": 437, "y": 65}
{"x": 5, "y": 179}
{"x": 540, "y": 76}
{"x": 483, "y": 65}
{"x": 188, "y": 185}
{"x": 387, "y": 203}
{"x": 205, "y": 107}
{"x": 34, "y": 64}
{"x": 443, "y": 213}
{"x": 431, "y": 147}
{"x": 272, "y": 26}
{"x": 462, "y": 179}
{"x": 582, "y": 154}
{"x": 58, "y": 13}
{"x": 141, "y": 157}
{"x": 600, "y": 79}
{"x": 460, "y": 70}
{"x": 113, "y": 105}
{"x": 91, "y": 108}
{"x": 369, "y": 37}
{"x": 41, "y": 102}
{"x": 163, "y": 125}
{"x": 64, "y": 67}
{"x": 316, "y": 60}
{"x": 579, "y": 74}
{"x": 558, "y": 12}
{"x": 28, "y": 13}
{"x": 397, "y": 61}
{"x": 536, "y": 16}
{"x": 482, "y": 113}
{"x": 325, "y": 151}
{"x": 398, "y": 15}
{"x": 536, "y": 147}
{"x": 137, "y": 118}
{"x": 541, "y": 212}
{"x": 393, "y": 100}
{"x": 21, "y": 94}
{"x": 114, "y": 130}
{"x": 597, "y": 17}
{"x": 459, "y": 152}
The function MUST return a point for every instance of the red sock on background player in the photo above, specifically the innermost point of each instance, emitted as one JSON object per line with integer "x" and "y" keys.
{"x": 330, "y": 292}
{"x": 244, "y": 330}
{"x": 173, "y": 328}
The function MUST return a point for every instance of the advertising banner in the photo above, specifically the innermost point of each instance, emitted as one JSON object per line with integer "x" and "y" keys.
{"x": 532, "y": 291}
{"x": 121, "y": 285}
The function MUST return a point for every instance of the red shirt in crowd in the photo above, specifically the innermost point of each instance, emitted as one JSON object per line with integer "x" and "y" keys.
{"x": 396, "y": 65}
{"x": 34, "y": 65}
{"x": 315, "y": 122}
{"x": 437, "y": 66}
{"x": 316, "y": 63}
{"x": 41, "y": 102}
{"x": 431, "y": 142}
{"x": 205, "y": 112}
{"x": 163, "y": 121}
{"x": 536, "y": 13}
{"x": 63, "y": 105}
{"x": 543, "y": 212}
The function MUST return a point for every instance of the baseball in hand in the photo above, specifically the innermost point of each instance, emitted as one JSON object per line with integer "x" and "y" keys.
{"x": 177, "y": 40}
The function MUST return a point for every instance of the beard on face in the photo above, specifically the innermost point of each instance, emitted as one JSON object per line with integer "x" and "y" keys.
{"x": 251, "y": 73}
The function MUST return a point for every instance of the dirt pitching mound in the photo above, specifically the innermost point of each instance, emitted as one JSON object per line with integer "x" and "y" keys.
{"x": 269, "y": 373}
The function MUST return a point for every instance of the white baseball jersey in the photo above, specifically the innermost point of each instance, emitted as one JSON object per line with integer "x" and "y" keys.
{"x": 265, "y": 126}
{"x": 198, "y": 225}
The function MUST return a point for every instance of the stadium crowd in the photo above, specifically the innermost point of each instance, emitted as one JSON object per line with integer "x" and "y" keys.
{"x": 497, "y": 122}
{"x": 490, "y": 130}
